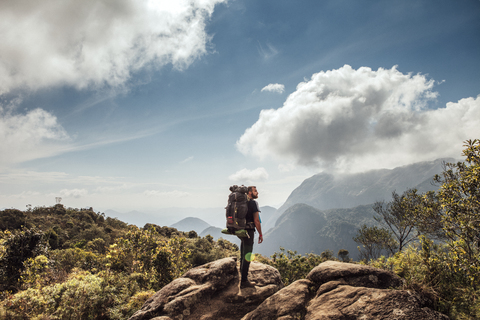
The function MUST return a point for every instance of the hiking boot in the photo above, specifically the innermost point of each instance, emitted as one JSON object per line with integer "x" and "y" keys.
{"x": 247, "y": 284}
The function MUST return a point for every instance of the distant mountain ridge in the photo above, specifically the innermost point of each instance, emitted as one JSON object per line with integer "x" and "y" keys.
{"x": 326, "y": 191}
{"x": 326, "y": 211}
{"x": 191, "y": 223}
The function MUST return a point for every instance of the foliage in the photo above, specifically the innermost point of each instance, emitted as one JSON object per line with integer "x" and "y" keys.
{"x": 83, "y": 296}
{"x": 204, "y": 250}
{"x": 459, "y": 196}
{"x": 85, "y": 266}
{"x": 374, "y": 241}
{"x": 343, "y": 255}
{"x": 427, "y": 268}
{"x": 17, "y": 247}
{"x": 12, "y": 219}
{"x": 293, "y": 266}
{"x": 398, "y": 216}
{"x": 147, "y": 253}
{"x": 448, "y": 271}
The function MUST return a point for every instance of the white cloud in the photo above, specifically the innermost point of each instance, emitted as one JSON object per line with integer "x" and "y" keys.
{"x": 268, "y": 52}
{"x": 187, "y": 160}
{"x": 97, "y": 42}
{"x": 73, "y": 193}
{"x": 26, "y": 195}
{"x": 354, "y": 120}
{"x": 274, "y": 87}
{"x": 259, "y": 174}
{"x": 33, "y": 135}
{"x": 165, "y": 194}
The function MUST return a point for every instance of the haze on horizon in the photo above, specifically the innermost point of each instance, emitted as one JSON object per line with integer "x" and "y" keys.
{"x": 140, "y": 105}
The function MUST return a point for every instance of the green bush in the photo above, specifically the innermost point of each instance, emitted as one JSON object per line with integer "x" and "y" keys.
{"x": 17, "y": 247}
{"x": 293, "y": 266}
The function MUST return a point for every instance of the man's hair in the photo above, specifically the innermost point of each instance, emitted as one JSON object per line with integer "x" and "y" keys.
{"x": 250, "y": 188}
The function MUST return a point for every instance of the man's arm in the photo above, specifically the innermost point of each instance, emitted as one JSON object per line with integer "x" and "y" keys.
{"x": 258, "y": 225}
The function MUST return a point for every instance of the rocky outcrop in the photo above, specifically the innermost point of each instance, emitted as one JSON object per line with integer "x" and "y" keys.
{"x": 332, "y": 290}
{"x": 211, "y": 292}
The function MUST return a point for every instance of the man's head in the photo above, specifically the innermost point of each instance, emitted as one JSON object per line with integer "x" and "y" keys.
{"x": 252, "y": 192}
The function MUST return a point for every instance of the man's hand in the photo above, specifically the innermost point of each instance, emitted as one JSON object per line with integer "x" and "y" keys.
{"x": 260, "y": 239}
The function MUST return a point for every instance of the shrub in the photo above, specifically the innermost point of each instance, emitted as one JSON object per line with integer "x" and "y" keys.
{"x": 18, "y": 247}
{"x": 293, "y": 266}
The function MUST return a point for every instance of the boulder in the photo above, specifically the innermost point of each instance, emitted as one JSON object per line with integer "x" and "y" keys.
{"x": 356, "y": 275}
{"x": 348, "y": 302}
{"x": 211, "y": 291}
{"x": 332, "y": 290}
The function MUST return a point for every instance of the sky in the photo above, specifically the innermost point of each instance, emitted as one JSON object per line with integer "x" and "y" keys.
{"x": 141, "y": 105}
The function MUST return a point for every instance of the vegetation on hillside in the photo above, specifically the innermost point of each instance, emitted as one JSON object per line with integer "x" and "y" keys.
{"x": 443, "y": 229}
{"x": 58, "y": 263}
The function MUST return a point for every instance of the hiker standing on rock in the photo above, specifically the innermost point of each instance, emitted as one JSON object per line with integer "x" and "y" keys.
{"x": 246, "y": 248}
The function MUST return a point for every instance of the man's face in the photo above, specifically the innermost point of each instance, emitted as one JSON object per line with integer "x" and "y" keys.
{"x": 254, "y": 193}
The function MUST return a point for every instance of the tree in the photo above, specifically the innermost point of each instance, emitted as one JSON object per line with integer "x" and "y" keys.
{"x": 374, "y": 241}
{"x": 459, "y": 197}
{"x": 399, "y": 216}
{"x": 343, "y": 255}
{"x": 17, "y": 247}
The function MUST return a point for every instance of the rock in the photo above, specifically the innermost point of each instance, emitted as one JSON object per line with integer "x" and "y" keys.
{"x": 356, "y": 275}
{"x": 348, "y": 302}
{"x": 332, "y": 290}
{"x": 211, "y": 291}
{"x": 285, "y": 303}
{"x": 337, "y": 290}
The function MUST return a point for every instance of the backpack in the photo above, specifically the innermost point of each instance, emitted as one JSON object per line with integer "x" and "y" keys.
{"x": 236, "y": 211}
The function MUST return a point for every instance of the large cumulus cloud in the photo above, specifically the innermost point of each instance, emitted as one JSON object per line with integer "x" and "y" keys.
{"x": 96, "y": 42}
{"x": 354, "y": 120}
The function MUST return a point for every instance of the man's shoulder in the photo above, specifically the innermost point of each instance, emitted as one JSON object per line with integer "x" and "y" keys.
{"x": 254, "y": 204}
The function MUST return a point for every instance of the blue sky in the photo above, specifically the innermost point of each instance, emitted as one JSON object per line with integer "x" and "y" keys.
{"x": 143, "y": 104}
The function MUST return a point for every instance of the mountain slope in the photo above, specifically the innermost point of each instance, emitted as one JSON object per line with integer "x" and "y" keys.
{"x": 305, "y": 229}
{"x": 325, "y": 191}
{"x": 189, "y": 224}
{"x": 293, "y": 231}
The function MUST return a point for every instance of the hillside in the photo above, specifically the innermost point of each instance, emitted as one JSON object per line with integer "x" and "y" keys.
{"x": 326, "y": 191}
{"x": 305, "y": 229}
{"x": 67, "y": 263}
{"x": 216, "y": 233}
{"x": 191, "y": 223}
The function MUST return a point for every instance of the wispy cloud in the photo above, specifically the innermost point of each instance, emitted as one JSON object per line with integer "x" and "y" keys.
{"x": 267, "y": 52}
{"x": 274, "y": 87}
{"x": 353, "y": 120}
{"x": 35, "y": 134}
{"x": 165, "y": 194}
{"x": 73, "y": 193}
{"x": 187, "y": 160}
{"x": 259, "y": 174}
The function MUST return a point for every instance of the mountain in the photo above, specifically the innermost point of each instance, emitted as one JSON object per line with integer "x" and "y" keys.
{"x": 326, "y": 211}
{"x": 169, "y": 216}
{"x": 191, "y": 223}
{"x": 267, "y": 215}
{"x": 326, "y": 191}
{"x": 294, "y": 230}
{"x": 216, "y": 233}
{"x": 305, "y": 229}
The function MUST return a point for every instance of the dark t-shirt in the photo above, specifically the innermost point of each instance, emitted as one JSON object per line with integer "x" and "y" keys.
{"x": 252, "y": 208}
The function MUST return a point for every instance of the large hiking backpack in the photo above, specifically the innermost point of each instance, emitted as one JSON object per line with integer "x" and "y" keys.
{"x": 236, "y": 211}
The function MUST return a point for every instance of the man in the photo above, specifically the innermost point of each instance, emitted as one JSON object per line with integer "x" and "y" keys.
{"x": 246, "y": 248}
